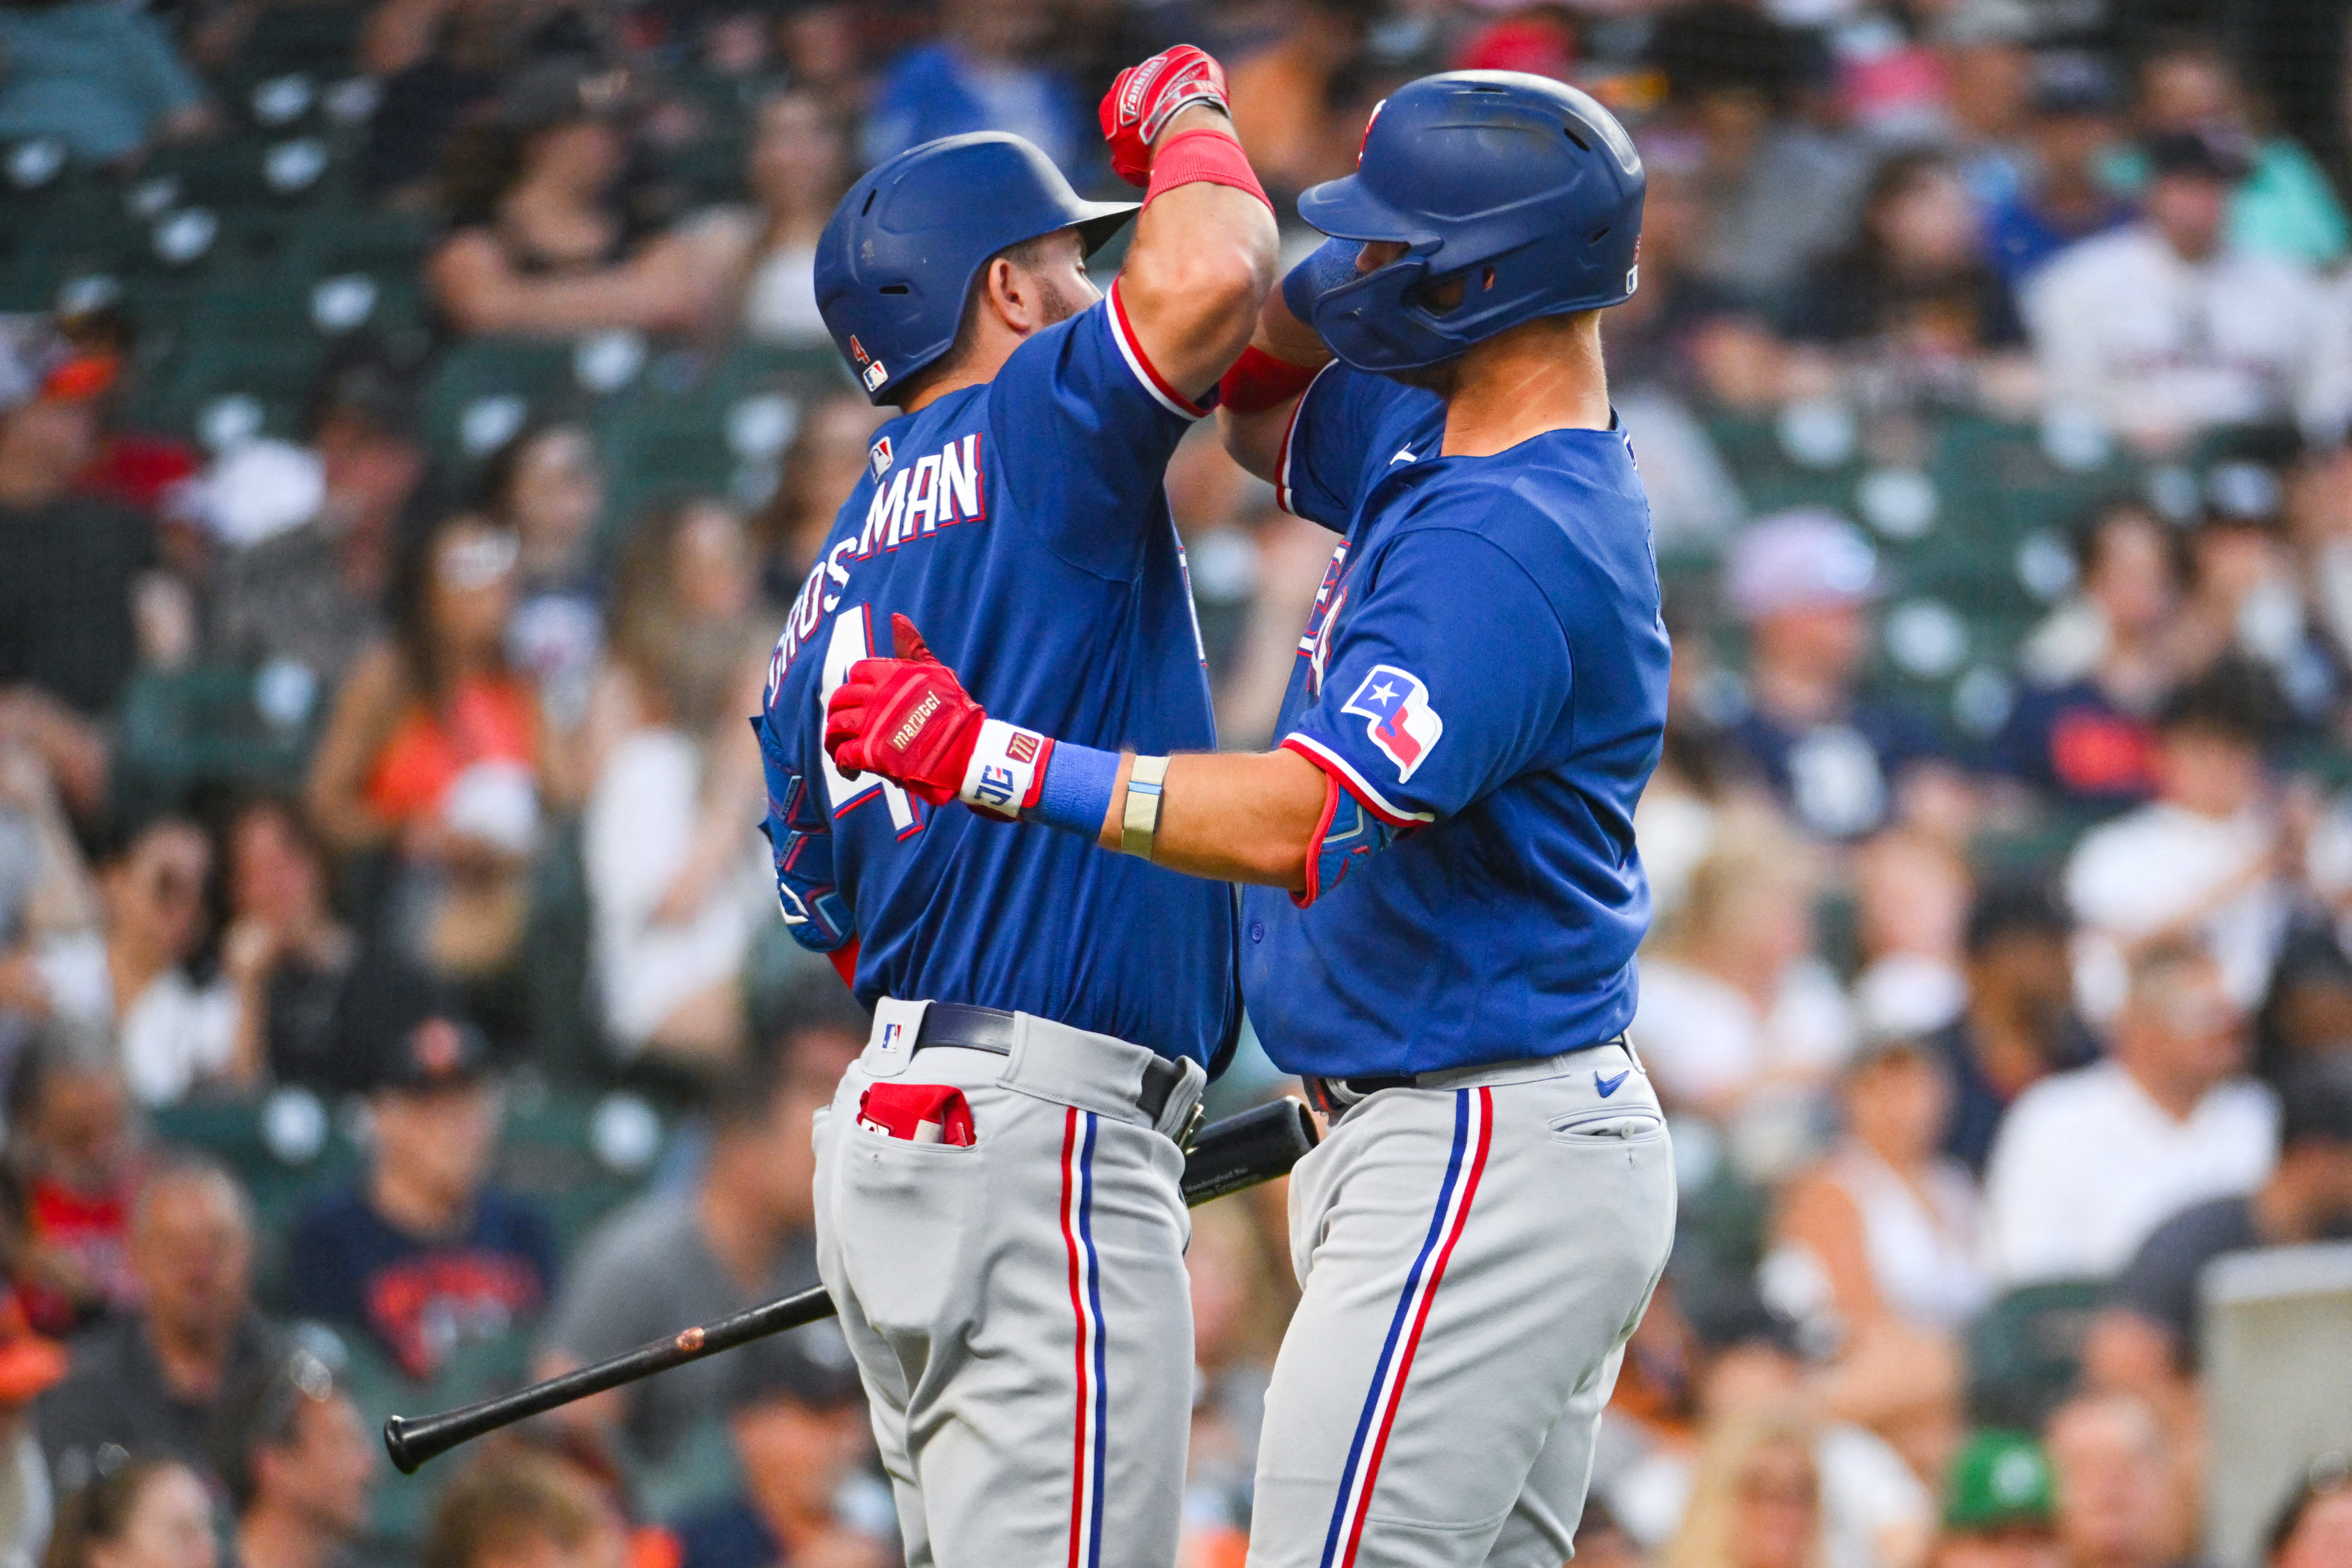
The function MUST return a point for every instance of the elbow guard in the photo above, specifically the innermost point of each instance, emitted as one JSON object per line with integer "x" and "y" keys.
{"x": 1344, "y": 833}
{"x": 800, "y": 841}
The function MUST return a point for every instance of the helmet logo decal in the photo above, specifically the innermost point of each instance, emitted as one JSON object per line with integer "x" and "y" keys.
{"x": 857, "y": 349}
{"x": 874, "y": 376}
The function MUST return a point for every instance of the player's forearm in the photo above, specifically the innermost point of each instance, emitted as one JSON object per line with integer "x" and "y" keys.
{"x": 1202, "y": 260}
{"x": 1258, "y": 395}
{"x": 1230, "y": 816}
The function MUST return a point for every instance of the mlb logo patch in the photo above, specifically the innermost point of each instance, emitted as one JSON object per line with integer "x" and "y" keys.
{"x": 877, "y": 456}
{"x": 876, "y": 376}
{"x": 1395, "y": 706}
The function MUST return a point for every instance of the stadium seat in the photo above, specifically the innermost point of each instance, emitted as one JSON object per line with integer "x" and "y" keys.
{"x": 483, "y": 390}
{"x": 2026, "y": 1349}
{"x": 183, "y": 731}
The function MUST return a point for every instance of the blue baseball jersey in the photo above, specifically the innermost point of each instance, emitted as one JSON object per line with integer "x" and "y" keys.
{"x": 1485, "y": 673}
{"x": 1023, "y": 526}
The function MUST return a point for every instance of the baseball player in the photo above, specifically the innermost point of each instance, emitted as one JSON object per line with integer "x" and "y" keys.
{"x": 1446, "y": 896}
{"x": 999, "y": 1217}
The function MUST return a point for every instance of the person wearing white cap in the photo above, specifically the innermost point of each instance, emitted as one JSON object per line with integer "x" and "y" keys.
{"x": 1803, "y": 582}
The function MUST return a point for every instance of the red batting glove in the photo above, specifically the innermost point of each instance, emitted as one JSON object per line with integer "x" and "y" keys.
{"x": 1145, "y": 98}
{"x": 908, "y": 719}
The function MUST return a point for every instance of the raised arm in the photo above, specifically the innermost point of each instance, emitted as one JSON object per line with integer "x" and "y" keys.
{"x": 1205, "y": 246}
{"x": 1262, "y": 390}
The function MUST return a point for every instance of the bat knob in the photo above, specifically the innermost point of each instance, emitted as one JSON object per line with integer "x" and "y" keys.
{"x": 396, "y": 1443}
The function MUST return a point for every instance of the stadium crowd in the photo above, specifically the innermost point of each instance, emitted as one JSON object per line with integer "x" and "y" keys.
{"x": 414, "y": 416}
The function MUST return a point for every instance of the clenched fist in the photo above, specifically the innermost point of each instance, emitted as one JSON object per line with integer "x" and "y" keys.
{"x": 908, "y": 719}
{"x": 1145, "y": 98}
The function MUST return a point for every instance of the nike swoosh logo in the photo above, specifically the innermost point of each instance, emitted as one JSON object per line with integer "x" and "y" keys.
{"x": 1608, "y": 1086}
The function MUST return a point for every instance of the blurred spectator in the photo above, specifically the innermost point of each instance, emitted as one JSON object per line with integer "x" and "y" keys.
{"x": 29, "y": 1364}
{"x": 1755, "y": 1498}
{"x": 2285, "y": 207}
{"x": 1680, "y": 333}
{"x": 524, "y": 1509}
{"x": 1912, "y": 282}
{"x": 176, "y": 1032}
{"x": 442, "y": 63}
{"x": 74, "y": 1164}
{"x": 282, "y": 932}
{"x": 765, "y": 254}
{"x": 1239, "y": 1299}
{"x": 827, "y": 457}
{"x": 2202, "y": 860}
{"x": 2249, "y": 599}
{"x": 2109, "y": 1456}
{"x": 70, "y": 564}
{"x": 423, "y": 1253}
{"x": 2098, "y": 667}
{"x": 2089, "y": 1162}
{"x": 1782, "y": 190}
{"x": 1803, "y": 582}
{"x": 2020, "y": 1024}
{"x": 542, "y": 241}
{"x": 137, "y": 1511}
{"x": 2164, "y": 329}
{"x": 673, "y": 876}
{"x": 1982, "y": 49}
{"x": 2000, "y": 1506}
{"x": 150, "y": 1381}
{"x": 2313, "y": 1528}
{"x": 308, "y": 593}
{"x": 1876, "y": 1243}
{"x": 797, "y": 1415}
{"x": 1749, "y": 1378}
{"x": 1911, "y": 892}
{"x": 547, "y": 485}
{"x": 2062, "y": 199}
{"x": 435, "y": 750}
{"x": 1740, "y": 1022}
{"x": 298, "y": 1463}
{"x": 105, "y": 81}
{"x": 1288, "y": 96}
{"x": 48, "y": 906}
{"x": 985, "y": 72}
{"x": 2147, "y": 1338}
{"x": 744, "y": 1234}
{"x": 821, "y": 46}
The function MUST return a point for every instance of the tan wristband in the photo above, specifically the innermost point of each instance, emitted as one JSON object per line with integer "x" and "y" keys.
{"x": 1140, "y": 815}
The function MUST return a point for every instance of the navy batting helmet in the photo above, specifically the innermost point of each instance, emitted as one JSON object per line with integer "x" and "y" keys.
{"x": 1525, "y": 189}
{"x": 896, "y": 258}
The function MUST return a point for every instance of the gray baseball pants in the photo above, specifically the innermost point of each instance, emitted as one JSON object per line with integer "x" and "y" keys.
{"x": 1018, "y": 1306}
{"x": 1473, "y": 1253}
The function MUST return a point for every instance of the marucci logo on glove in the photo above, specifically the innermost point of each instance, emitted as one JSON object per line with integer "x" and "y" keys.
{"x": 1402, "y": 724}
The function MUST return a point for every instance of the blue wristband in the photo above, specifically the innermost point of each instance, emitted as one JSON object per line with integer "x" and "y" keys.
{"x": 1332, "y": 263}
{"x": 1074, "y": 795}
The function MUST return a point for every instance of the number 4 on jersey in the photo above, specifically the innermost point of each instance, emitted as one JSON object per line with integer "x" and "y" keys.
{"x": 852, "y": 640}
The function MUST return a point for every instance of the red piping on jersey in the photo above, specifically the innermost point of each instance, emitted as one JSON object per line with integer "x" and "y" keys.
{"x": 1135, "y": 344}
{"x": 1339, "y": 775}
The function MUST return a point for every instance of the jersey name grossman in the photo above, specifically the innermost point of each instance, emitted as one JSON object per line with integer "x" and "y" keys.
{"x": 934, "y": 492}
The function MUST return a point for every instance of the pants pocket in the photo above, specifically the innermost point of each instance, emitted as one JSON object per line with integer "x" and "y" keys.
{"x": 1611, "y": 1128}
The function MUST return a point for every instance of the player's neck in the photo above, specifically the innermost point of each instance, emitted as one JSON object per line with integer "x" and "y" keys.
{"x": 1542, "y": 375}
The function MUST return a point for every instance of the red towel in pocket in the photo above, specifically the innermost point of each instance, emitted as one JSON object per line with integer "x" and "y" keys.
{"x": 919, "y": 1113}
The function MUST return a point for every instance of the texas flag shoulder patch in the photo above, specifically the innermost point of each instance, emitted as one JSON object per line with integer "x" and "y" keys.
{"x": 1400, "y": 720}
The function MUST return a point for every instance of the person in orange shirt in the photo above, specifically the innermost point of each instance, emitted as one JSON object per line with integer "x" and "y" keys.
{"x": 437, "y": 751}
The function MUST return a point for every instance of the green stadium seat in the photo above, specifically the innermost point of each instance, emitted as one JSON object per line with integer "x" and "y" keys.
{"x": 2026, "y": 1349}
{"x": 485, "y": 389}
{"x": 204, "y": 727}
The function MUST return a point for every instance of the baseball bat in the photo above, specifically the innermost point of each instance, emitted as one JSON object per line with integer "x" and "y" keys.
{"x": 1239, "y": 1152}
